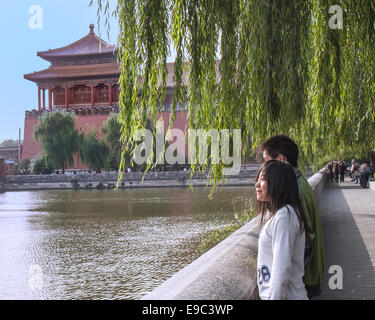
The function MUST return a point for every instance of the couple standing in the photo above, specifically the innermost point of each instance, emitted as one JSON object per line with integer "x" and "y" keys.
{"x": 290, "y": 250}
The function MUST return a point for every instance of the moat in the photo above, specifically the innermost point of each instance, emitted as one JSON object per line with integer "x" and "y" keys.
{"x": 92, "y": 244}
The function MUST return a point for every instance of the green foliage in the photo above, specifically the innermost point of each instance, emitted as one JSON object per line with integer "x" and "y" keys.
{"x": 94, "y": 152}
{"x": 214, "y": 237}
{"x": 281, "y": 69}
{"x": 38, "y": 165}
{"x": 24, "y": 164}
{"x": 112, "y": 137}
{"x": 58, "y": 137}
{"x": 9, "y": 143}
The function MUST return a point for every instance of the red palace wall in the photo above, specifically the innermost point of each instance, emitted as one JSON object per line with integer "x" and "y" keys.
{"x": 32, "y": 148}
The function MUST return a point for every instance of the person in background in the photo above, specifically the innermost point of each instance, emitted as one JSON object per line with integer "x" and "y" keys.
{"x": 365, "y": 173}
{"x": 336, "y": 170}
{"x": 371, "y": 170}
{"x": 342, "y": 168}
{"x": 281, "y": 147}
{"x": 330, "y": 171}
{"x": 281, "y": 247}
{"x": 353, "y": 169}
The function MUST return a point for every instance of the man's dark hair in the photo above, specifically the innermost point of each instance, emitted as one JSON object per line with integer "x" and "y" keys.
{"x": 282, "y": 144}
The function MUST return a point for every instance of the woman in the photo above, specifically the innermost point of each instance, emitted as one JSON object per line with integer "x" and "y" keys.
{"x": 281, "y": 247}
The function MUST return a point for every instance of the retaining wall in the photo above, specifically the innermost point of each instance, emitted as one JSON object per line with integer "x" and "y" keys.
{"x": 109, "y": 180}
{"x": 225, "y": 272}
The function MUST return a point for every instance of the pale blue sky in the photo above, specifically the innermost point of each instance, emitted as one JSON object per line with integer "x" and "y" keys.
{"x": 64, "y": 21}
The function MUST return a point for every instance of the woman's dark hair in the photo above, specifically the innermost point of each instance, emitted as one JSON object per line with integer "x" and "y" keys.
{"x": 282, "y": 190}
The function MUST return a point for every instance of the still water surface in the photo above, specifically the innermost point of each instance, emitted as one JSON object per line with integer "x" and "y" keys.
{"x": 104, "y": 244}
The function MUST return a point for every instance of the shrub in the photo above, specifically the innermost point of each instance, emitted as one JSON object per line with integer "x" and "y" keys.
{"x": 214, "y": 237}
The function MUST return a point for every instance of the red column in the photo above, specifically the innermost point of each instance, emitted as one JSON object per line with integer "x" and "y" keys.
{"x": 44, "y": 99}
{"x": 92, "y": 95}
{"x": 39, "y": 99}
{"x": 49, "y": 98}
{"x": 66, "y": 97}
{"x": 1, "y": 167}
{"x": 110, "y": 93}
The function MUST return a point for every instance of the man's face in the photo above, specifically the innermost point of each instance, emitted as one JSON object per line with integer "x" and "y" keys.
{"x": 266, "y": 156}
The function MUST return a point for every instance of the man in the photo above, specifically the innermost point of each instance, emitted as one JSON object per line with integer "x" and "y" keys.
{"x": 281, "y": 147}
{"x": 365, "y": 174}
{"x": 353, "y": 169}
{"x": 330, "y": 171}
{"x": 336, "y": 170}
{"x": 342, "y": 167}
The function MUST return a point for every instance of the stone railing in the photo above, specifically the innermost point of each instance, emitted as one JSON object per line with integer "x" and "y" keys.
{"x": 227, "y": 271}
{"x": 78, "y": 110}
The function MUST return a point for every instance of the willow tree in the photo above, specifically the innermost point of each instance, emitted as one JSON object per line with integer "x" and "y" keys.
{"x": 112, "y": 137}
{"x": 262, "y": 66}
{"x": 58, "y": 138}
{"x": 93, "y": 151}
{"x": 340, "y": 113}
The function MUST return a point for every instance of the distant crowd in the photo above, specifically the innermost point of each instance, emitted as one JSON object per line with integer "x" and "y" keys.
{"x": 358, "y": 172}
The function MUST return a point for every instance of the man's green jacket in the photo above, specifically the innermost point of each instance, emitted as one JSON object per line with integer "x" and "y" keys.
{"x": 314, "y": 271}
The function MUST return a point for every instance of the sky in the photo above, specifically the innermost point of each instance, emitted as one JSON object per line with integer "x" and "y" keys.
{"x": 23, "y": 34}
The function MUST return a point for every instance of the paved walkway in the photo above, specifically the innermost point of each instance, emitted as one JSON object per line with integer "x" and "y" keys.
{"x": 348, "y": 221}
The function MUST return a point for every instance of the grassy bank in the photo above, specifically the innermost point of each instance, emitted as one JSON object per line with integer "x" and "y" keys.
{"x": 212, "y": 238}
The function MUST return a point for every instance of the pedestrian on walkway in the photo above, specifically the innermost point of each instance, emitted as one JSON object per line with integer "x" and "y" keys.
{"x": 281, "y": 147}
{"x": 336, "y": 170}
{"x": 330, "y": 171}
{"x": 342, "y": 168}
{"x": 353, "y": 169}
{"x": 281, "y": 246}
{"x": 365, "y": 173}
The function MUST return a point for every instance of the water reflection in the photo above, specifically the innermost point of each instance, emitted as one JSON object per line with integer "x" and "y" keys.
{"x": 103, "y": 244}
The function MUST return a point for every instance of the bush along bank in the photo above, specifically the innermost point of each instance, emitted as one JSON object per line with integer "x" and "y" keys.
{"x": 211, "y": 238}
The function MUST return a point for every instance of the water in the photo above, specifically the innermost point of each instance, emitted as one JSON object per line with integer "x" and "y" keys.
{"x": 103, "y": 244}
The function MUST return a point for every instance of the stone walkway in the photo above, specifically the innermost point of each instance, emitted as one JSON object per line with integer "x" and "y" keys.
{"x": 348, "y": 220}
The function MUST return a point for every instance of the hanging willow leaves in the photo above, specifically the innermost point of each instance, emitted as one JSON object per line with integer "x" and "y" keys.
{"x": 262, "y": 66}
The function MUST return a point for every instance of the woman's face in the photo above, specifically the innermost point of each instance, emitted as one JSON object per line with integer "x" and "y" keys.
{"x": 261, "y": 188}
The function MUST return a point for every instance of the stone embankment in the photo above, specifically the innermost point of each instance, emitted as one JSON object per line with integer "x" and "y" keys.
{"x": 108, "y": 180}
